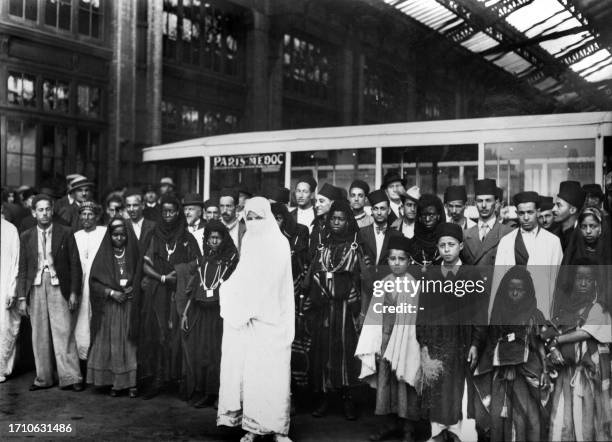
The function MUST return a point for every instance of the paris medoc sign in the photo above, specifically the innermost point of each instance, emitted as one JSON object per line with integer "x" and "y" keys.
{"x": 255, "y": 161}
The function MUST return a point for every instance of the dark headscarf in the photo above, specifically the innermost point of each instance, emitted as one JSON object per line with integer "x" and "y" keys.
{"x": 424, "y": 240}
{"x": 506, "y": 312}
{"x": 105, "y": 274}
{"x": 289, "y": 224}
{"x": 169, "y": 232}
{"x": 568, "y": 303}
{"x": 227, "y": 247}
{"x": 351, "y": 224}
{"x": 600, "y": 252}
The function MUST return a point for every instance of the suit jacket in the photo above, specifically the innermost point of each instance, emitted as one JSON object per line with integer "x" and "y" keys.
{"x": 146, "y": 233}
{"x": 70, "y": 214}
{"x": 65, "y": 260}
{"x": 368, "y": 239}
{"x": 476, "y": 252}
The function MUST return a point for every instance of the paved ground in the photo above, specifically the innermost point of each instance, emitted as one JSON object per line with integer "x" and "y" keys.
{"x": 96, "y": 416}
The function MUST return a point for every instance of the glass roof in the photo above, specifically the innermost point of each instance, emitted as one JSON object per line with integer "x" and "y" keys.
{"x": 520, "y": 35}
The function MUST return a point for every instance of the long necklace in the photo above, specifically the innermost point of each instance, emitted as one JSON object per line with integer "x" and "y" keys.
{"x": 326, "y": 258}
{"x": 121, "y": 254}
{"x": 170, "y": 251}
{"x": 217, "y": 278}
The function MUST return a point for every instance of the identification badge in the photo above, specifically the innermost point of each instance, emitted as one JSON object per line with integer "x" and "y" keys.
{"x": 511, "y": 337}
{"x": 210, "y": 293}
{"x": 329, "y": 275}
{"x": 123, "y": 282}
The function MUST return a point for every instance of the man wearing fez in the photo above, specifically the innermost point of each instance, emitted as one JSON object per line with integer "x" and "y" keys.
{"x": 143, "y": 227}
{"x": 50, "y": 282}
{"x": 357, "y": 198}
{"x": 455, "y": 199}
{"x": 192, "y": 207}
{"x": 151, "y": 210}
{"x": 594, "y": 196}
{"x": 531, "y": 246}
{"x": 79, "y": 190}
{"x": 481, "y": 240}
{"x": 211, "y": 210}
{"x": 395, "y": 186}
{"x": 568, "y": 206}
{"x": 545, "y": 214}
{"x": 228, "y": 201}
{"x": 305, "y": 213}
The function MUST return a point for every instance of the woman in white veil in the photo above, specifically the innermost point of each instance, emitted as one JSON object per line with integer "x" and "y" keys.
{"x": 257, "y": 307}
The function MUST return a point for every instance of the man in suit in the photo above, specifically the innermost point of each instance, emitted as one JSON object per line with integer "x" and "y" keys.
{"x": 143, "y": 227}
{"x": 395, "y": 187}
{"x": 50, "y": 281}
{"x": 192, "y": 206}
{"x": 481, "y": 240}
{"x": 228, "y": 201}
{"x": 79, "y": 190}
{"x": 305, "y": 212}
{"x": 152, "y": 210}
{"x": 375, "y": 239}
{"x": 568, "y": 206}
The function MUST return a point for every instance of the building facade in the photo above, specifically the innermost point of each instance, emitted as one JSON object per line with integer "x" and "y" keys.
{"x": 85, "y": 85}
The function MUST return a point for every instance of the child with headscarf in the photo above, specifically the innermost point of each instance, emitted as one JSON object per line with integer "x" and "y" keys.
{"x": 115, "y": 294}
{"x": 578, "y": 339}
{"x": 388, "y": 348}
{"x": 171, "y": 249}
{"x": 514, "y": 362}
{"x": 201, "y": 319}
{"x": 334, "y": 306}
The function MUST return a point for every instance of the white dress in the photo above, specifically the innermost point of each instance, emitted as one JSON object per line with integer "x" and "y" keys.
{"x": 9, "y": 319}
{"x": 257, "y": 306}
{"x": 88, "y": 244}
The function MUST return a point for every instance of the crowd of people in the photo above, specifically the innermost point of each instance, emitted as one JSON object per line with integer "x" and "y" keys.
{"x": 255, "y": 304}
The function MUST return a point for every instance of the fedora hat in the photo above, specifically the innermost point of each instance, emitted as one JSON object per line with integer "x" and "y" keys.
{"x": 78, "y": 183}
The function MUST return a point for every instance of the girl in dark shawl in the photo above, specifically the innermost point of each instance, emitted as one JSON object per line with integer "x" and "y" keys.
{"x": 115, "y": 294}
{"x": 514, "y": 362}
{"x": 297, "y": 235}
{"x": 201, "y": 322}
{"x": 578, "y": 341}
{"x": 167, "y": 261}
{"x": 423, "y": 246}
{"x": 334, "y": 305}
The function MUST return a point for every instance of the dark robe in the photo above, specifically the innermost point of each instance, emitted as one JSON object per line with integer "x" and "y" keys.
{"x": 202, "y": 338}
{"x": 448, "y": 325}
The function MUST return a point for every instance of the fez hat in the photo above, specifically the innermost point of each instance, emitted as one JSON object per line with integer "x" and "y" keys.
{"x": 455, "y": 193}
{"x": 378, "y": 196}
{"x": 392, "y": 177}
{"x": 485, "y": 186}
{"x": 360, "y": 185}
{"x": 281, "y": 195}
{"x": 308, "y": 180}
{"x": 571, "y": 192}
{"x": 526, "y": 197}
{"x": 193, "y": 199}
{"x": 211, "y": 203}
{"x": 331, "y": 192}
{"x": 399, "y": 242}
{"x": 78, "y": 183}
{"x": 449, "y": 229}
{"x": 131, "y": 191}
{"x": 546, "y": 203}
{"x": 593, "y": 190}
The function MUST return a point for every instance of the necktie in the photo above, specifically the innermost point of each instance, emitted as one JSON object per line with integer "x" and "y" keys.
{"x": 484, "y": 230}
{"x": 382, "y": 229}
{"x": 44, "y": 246}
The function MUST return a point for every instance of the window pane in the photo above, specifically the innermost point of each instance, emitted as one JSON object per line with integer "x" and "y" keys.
{"x": 13, "y": 136}
{"x": 31, "y": 9}
{"x": 13, "y": 169}
{"x": 16, "y": 8}
{"x": 28, "y": 171}
{"x": 64, "y": 14}
{"x": 51, "y": 13}
{"x": 14, "y": 85}
{"x": 29, "y": 138}
{"x": 83, "y": 21}
{"x": 88, "y": 101}
{"x": 95, "y": 25}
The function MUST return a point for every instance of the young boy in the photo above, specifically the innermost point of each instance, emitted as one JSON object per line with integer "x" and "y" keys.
{"x": 388, "y": 348}
{"x": 451, "y": 330}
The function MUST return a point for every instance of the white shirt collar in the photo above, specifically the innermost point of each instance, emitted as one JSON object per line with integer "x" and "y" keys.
{"x": 454, "y": 269}
{"x": 490, "y": 223}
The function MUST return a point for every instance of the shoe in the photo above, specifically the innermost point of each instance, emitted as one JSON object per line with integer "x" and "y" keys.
{"x": 35, "y": 387}
{"x": 114, "y": 393}
{"x": 78, "y": 386}
{"x": 385, "y": 433}
{"x": 133, "y": 392}
{"x": 321, "y": 410}
{"x": 350, "y": 410}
